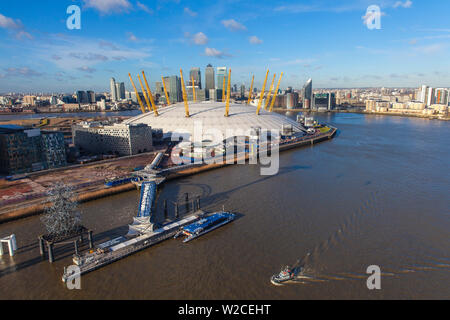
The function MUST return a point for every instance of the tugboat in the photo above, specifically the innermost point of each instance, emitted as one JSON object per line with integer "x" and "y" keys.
{"x": 285, "y": 274}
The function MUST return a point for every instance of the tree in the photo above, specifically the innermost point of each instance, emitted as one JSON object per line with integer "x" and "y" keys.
{"x": 62, "y": 217}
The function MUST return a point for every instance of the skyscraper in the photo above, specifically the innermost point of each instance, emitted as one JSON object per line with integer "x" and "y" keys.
{"x": 209, "y": 80}
{"x": 221, "y": 74}
{"x": 173, "y": 86}
{"x": 196, "y": 75}
{"x": 113, "y": 89}
{"x": 307, "y": 94}
{"x": 120, "y": 90}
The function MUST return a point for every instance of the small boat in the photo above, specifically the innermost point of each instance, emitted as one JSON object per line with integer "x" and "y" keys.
{"x": 285, "y": 274}
{"x": 205, "y": 225}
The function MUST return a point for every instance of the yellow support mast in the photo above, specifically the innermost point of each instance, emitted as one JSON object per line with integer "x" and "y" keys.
{"x": 165, "y": 91}
{"x": 193, "y": 89}
{"x": 262, "y": 93}
{"x": 149, "y": 93}
{"x": 137, "y": 94}
{"x": 145, "y": 95}
{"x": 270, "y": 91}
{"x": 250, "y": 92}
{"x": 223, "y": 90}
{"x": 183, "y": 86}
{"x": 227, "y": 108}
{"x": 276, "y": 93}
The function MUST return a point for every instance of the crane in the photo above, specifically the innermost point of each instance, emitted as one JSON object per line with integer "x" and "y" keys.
{"x": 193, "y": 89}
{"x": 250, "y": 92}
{"x": 145, "y": 94}
{"x": 149, "y": 93}
{"x": 276, "y": 92}
{"x": 262, "y": 93}
{"x": 165, "y": 91}
{"x": 183, "y": 86}
{"x": 270, "y": 91}
{"x": 137, "y": 94}
{"x": 227, "y": 107}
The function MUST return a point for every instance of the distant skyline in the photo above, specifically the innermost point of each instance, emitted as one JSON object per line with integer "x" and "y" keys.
{"x": 325, "y": 40}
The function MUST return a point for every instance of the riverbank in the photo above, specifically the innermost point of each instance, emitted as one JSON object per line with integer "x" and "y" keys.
{"x": 397, "y": 114}
{"x": 96, "y": 189}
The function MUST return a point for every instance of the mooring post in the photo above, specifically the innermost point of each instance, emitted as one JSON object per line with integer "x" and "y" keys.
{"x": 50, "y": 252}
{"x": 90, "y": 238}
{"x": 75, "y": 245}
{"x": 187, "y": 202}
{"x": 176, "y": 211}
{"x": 165, "y": 209}
{"x": 41, "y": 247}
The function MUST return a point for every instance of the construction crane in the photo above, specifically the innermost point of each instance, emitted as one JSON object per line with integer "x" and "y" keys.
{"x": 183, "y": 86}
{"x": 193, "y": 89}
{"x": 223, "y": 90}
{"x": 262, "y": 93}
{"x": 149, "y": 93}
{"x": 137, "y": 94}
{"x": 250, "y": 92}
{"x": 276, "y": 93}
{"x": 165, "y": 91}
{"x": 227, "y": 107}
{"x": 270, "y": 91}
{"x": 145, "y": 94}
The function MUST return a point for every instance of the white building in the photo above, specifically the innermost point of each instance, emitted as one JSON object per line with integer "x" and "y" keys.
{"x": 121, "y": 139}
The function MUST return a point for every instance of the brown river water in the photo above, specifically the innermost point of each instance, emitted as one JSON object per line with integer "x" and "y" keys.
{"x": 377, "y": 194}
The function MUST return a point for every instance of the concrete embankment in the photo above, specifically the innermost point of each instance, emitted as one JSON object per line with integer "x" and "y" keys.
{"x": 36, "y": 209}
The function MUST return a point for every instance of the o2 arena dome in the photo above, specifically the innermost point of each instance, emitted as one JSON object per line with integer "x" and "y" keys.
{"x": 208, "y": 117}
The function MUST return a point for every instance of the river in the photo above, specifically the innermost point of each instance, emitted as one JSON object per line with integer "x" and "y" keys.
{"x": 376, "y": 194}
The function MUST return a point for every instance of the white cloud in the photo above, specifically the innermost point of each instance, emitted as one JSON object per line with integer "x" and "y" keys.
{"x": 23, "y": 72}
{"x": 145, "y": 8}
{"x": 199, "y": 38}
{"x": 233, "y": 25}
{"x": 255, "y": 40}
{"x": 131, "y": 37}
{"x": 69, "y": 52}
{"x": 108, "y": 6}
{"x": 190, "y": 12}
{"x": 86, "y": 69}
{"x": 15, "y": 26}
{"x": 406, "y": 4}
{"x": 211, "y": 52}
{"x": 431, "y": 49}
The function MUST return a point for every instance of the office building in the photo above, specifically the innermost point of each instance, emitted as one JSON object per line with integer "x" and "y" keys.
{"x": 120, "y": 139}
{"x": 209, "y": 80}
{"x": 26, "y": 150}
{"x": 222, "y": 73}
{"x": 196, "y": 75}
{"x": 113, "y": 89}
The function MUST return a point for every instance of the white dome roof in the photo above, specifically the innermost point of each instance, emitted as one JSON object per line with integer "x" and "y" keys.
{"x": 209, "y": 116}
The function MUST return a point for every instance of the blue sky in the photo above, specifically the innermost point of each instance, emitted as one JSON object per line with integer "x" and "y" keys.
{"x": 326, "y": 40}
